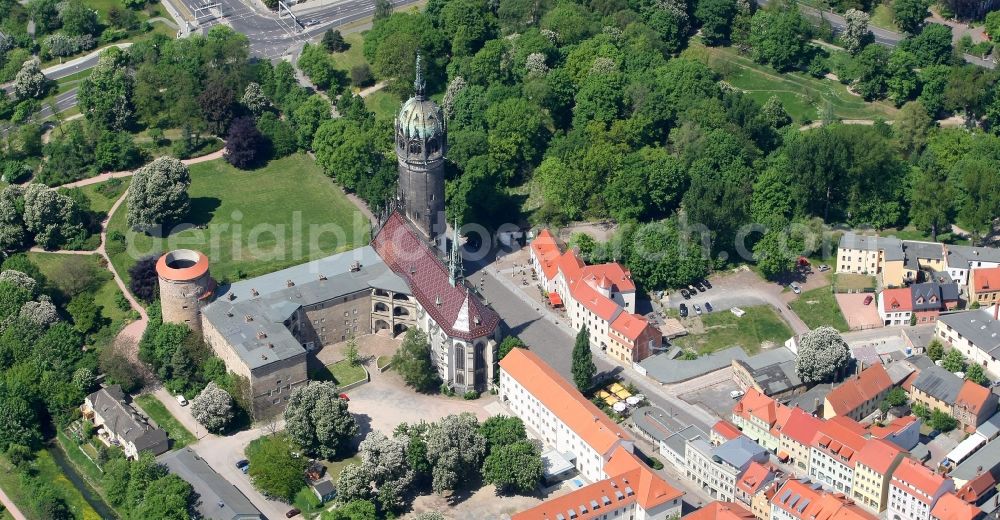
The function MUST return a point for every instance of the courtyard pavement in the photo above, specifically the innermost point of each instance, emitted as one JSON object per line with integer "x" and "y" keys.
{"x": 858, "y": 315}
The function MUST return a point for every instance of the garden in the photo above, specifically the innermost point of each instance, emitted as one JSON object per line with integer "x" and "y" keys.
{"x": 760, "y": 327}
{"x": 819, "y": 307}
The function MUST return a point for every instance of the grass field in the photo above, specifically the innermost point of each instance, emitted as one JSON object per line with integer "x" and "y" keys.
{"x": 849, "y": 282}
{"x": 62, "y": 271}
{"x": 383, "y": 103}
{"x": 306, "y": 502}
{"x": 882, "y": 17}
{"x": 101, "y": 202}
{"x": 353, "y": 56}
{"x": 179, "y": 435}
{"x": 342, "y": 373}
{"x": 802, "y": 95}
{"x": 761, "y": 324}
{"x": 819, "y": 307}
{"x": 256, "y": 222}
{"x": 382, "y": 361}
{"x": 48, "y": 472}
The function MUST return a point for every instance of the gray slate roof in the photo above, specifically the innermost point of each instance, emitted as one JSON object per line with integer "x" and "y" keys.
{"x": 812, "y": 400}
{"x": 218, "y": 499}
{"x": 126, "y": 422}
{"x": 978, "y": 326}
{"x": 926, "y": 291}
{"x": 991, "y": 428}
{"x": 892, "y": 246}
{"x": 653, "y": 421}
{"x": 740, "y": 452}
{"x": 914, "y": 250}
{"x": 938, "y": 383}
{"x": 987, "y": 458}
{"x": 276, "y": 301}
{"x": 776, "y": 366}
{"x": 961, "y": 256}
{"x": 677, "y": 441}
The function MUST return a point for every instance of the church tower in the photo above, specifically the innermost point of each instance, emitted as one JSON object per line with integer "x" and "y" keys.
{"x": 421, "y": 142}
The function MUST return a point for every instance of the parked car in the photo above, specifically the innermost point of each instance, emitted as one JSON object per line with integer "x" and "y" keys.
{"x": 697, "y": 309}
{"x": 693, "y": 290}
{"x": 795, "y": 288}
{"x": 736, "y": 394}
{"x": 706, "y": 283}
{"x": 708, "y": 307}
{"x": 868, "y": 299}
{"x": 292, "y": 512}
{"x": 700, "y": 287}
{"x": 344, "y": 397}
{"x": 824, "y": 268}
{"x": 181, "y": 400}
{"x": 242, "y": 463}
{"x": 683, "y": 310}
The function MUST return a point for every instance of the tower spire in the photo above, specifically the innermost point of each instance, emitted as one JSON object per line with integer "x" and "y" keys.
{"x": 455, "y": 270}
{"x": 418, "y": 80}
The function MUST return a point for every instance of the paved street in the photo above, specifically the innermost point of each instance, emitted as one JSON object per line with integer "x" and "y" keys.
{"x": 552, "y": 339}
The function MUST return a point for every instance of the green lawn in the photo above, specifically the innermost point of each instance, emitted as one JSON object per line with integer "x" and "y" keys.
{"x": 883, "y": 17}
{"x": 64, "y": 272}
{"x": 761, "y": 324}
{"x": 48, "y": 472}
{"x": 242, "y": 211}
{"x": 306, "y": 502}
{"x": 334, "y": 467}
{"x": 342, "y": 373}
{"x": 383, "y": 103}
{"x": 912, "y": 233}
{"x": 847, "y": 282}
{"x": 819, "y": 307}
{"x": 179, "y": 435}
{"x": 353, "y": 56}
{"x": 382, "y": 361}
{"x": 103, "y": 195}
{"x": 802, "y": 95}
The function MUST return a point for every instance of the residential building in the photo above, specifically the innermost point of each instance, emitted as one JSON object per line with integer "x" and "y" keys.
{"x": 985, "y": 461}
{"x": 984, "y": 286}
{"x": 898, "y": 262}
{"x": 981, "y": 492}
{"x": 631, "y": 491}
{"x": 861, "y": 254}
{"x": 217, "y": 498}
{"x": 974, "y": 333}
{"x": 720, "y": 511}
{"x": 760, "y": 418}
{"x": 915, "y": 490}
{"x": 723, "y": 431}
{"x": 938, "y": 389}
{"x": 895, "y": 306}
{"x": 834, "y": 453}
{"x": 760, "y": 504}
{"x": 797, "y": 437}
{"x": 717, "y": 468}
{"x": 599, "y": 298}
{"x": 950, "y": 507}
{"x": 674, "y": 448}
{"x": 930, "y": 298}
{"x": 859, "y": 396}
{"x": 904, "y": 432}
{"x": 962, "y": 260}
{"x": 755, "y": 479}
{"x": 800, "y": 499}
{"x": 119, "y": 424}
{"x": 873, "y": 470}
{"x": 559, "y": 414}
{"x": 974, "y": 405}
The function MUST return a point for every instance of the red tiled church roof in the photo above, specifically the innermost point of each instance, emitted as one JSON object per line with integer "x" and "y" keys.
{"x": 459, "y": 312}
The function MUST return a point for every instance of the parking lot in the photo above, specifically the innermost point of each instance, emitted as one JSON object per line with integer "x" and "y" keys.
{"x": 715, "y": 398}
{"x": 856, "y": 313}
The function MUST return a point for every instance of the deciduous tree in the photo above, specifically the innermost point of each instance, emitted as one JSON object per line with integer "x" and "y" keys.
{"x": 274, "y": 469}
{"x": 823, "y": 355}
{"x": 30, "y": 83}
{"x": 318, "y": 419}
{"x": 213, "y": 408}
{"x": 245, "y": 144}
{"x": 158, "y": 195}
{"x": 910, "y": 14}
{"x": 455, "y": 449}
{"x": 413, "y": 362}
{"x": 514, "y": 467}
{"x": 856, "y": 33}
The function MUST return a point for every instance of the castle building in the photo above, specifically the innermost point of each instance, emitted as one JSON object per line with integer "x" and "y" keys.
{"x": 264, "y": 327}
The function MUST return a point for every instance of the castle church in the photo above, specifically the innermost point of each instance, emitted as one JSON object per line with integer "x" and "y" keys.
{"x": 264, "y": 328}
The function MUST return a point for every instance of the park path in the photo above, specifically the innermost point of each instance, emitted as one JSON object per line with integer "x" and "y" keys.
{"x": 11, "y": 507}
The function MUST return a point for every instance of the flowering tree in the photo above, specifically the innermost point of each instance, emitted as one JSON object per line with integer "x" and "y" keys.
{"x": 822, "y": 355}
{"x": 213, "y": 408}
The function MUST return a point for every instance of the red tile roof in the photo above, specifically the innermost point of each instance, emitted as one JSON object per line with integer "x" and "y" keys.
{"x": 720, "y": 511}
{"x": 630, "y": 325}
{"x": 636, "y": 483}
{"x": 801, "y": 427}
{"x": 565, "y": 401}
{"x": 841, "y": 440}
{"x": 972, "y": 396}
{"x": 986, "y": 279}
{"x": 799, "y": 499}
{"x": 974, "y": 490}
{"x": 611, "y": 274}
{"x": 897, "y": 300}
{"x": 459, "y": 313}
{"x": 546, "y": 250}
{"x": 950, "y": 507}
{"x": 881, "y": 432}
{"x": 727, "y": 430}
{"x": 878, "y": 455}
{"x": 756, "y": 404}
{"x": 863, "y": 387}
{"x": 754, "y": 478}
{"x": 920, "y": 477}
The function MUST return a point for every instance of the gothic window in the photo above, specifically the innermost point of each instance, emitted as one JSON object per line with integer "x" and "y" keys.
{"x": 433, "y": 146}
{"x": 459, "y": 357}
{"x": 414, "y": 146}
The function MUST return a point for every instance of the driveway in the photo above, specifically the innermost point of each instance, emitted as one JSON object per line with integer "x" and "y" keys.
{"x": 181, "y": 413}
{"x": 221, "y": 453}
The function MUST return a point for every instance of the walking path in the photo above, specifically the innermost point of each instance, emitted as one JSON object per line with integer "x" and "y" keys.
{"x": 11, "y": 507}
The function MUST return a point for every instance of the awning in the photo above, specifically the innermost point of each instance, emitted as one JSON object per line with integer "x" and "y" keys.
{"x": 554, "y": 299}
{"x": 782, "y": 456}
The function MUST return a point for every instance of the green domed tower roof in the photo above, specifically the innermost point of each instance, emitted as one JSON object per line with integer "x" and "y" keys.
{"x": 420, "y": 117}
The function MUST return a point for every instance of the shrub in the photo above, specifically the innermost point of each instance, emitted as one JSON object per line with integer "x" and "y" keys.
{"x": 470, "y": 395}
